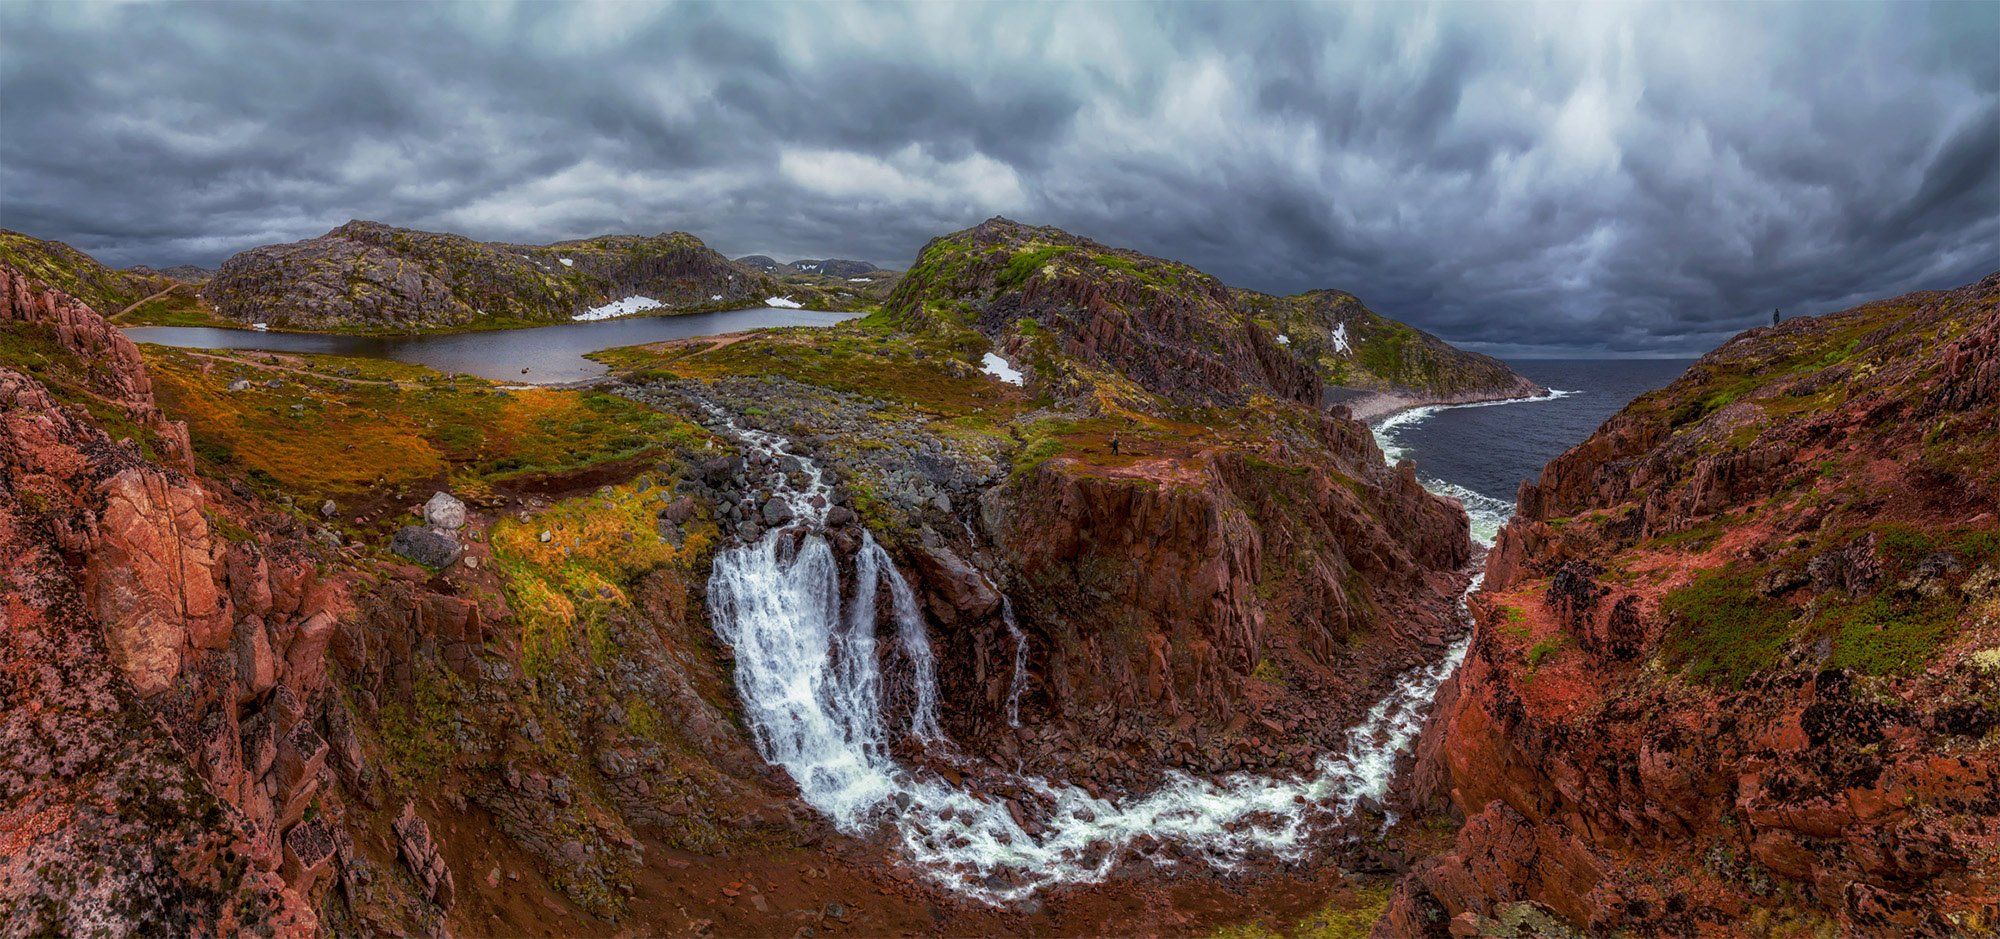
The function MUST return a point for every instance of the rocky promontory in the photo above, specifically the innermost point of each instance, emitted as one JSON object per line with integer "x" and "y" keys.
{"x": 1066, "y": 310}
{"x": 1737, "y": 661}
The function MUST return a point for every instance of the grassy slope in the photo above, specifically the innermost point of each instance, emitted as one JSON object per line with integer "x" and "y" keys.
{"x": 107, "y": 290}
{"x": 362, "y": 432}
{"x": 491, "y": 285}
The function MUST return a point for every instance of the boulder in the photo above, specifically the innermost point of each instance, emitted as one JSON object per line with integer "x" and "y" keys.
{"x": 425, "y": 546}
{"x": 444, "y": 513}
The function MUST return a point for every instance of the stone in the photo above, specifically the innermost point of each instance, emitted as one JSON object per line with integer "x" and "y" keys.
{"x": 328, "y": 510}
{"x": 444, "y": 513}
{"x": 776, "y": 511}
{"x": 241, "y": 384}
{"x": 425, "y": 546}
{"x": 420, "y": 854}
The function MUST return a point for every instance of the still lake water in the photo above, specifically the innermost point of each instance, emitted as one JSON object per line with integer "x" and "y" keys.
{"x": 1481, "y": 453}
{"x": 550, "y": 354}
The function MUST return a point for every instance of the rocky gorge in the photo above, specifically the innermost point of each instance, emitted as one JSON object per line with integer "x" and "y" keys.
{"x": 323, "y": 646}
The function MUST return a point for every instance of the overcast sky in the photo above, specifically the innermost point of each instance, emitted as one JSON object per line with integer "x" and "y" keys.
{"x": 1540, "y": 180}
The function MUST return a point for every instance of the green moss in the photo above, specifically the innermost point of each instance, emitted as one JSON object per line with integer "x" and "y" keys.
{"x": 1885, "y": 635}
{"x": 1026, "y": 264}
{"x": 1545, "y": 648}
{"x": 1350, "y": 916}
{"x": 1721, "y": 630}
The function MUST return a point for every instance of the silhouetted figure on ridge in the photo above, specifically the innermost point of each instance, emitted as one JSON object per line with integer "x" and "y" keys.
{"x": 1774, "y": 317}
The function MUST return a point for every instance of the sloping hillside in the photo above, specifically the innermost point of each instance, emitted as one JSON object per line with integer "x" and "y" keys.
{"x": 138, "y": 296}
{"x": 1078, "y": 317}
{"x": 1737, "y": 663}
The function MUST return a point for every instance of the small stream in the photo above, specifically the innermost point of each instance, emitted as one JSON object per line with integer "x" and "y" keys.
{"x": 540, "y": 355}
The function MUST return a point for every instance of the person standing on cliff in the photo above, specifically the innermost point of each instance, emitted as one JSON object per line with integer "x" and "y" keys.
{"x": 1774, "y": 317}
{"x": 1114, "y": 444}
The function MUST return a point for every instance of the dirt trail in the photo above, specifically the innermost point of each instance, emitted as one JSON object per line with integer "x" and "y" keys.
{"x": 115, "y": 317}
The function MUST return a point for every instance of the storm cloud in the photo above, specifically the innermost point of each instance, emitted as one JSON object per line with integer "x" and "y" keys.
{"x": 1524, "y": 180}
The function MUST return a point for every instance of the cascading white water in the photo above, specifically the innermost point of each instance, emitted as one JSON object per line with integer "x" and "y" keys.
{"x": 1019, "y": 682}
{"x": 807, "y": 670}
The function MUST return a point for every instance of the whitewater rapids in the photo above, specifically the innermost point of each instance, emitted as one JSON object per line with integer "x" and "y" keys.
{"x": 809, "y": 671}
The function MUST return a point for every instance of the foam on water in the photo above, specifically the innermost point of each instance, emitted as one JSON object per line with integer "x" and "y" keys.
{"x": 1487, "y": 513}
{"x": 808, "y": 669}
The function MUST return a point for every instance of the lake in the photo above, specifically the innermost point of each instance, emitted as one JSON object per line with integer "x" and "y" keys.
{"x": 549, "y": 354}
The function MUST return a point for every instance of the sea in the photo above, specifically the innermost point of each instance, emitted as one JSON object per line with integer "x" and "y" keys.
{"x": 1480, "y": 453}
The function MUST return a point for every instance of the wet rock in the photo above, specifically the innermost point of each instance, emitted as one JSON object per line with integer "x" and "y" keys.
{"x": 776, "y": 511}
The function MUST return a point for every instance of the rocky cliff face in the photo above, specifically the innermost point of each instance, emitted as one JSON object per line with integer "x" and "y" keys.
{"x": 1737, "y": 662}
{"x": 1355, "y": 348}
{"x": 159, "y": 767}
{"x": 370, "y": 275}
{"x": 224, "y": 717}
{"x": 1084, "y": 319}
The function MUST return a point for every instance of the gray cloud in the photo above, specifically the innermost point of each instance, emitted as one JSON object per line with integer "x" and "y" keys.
{"x": 1526, "y": 180}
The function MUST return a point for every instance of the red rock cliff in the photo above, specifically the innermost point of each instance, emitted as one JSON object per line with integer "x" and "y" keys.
{"x": 1737, "y": 663}
{"x": 163, "y": 670}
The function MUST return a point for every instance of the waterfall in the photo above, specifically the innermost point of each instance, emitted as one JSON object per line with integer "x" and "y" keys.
{"x": 1019, "y": 683}
{"x": 809, "y": 675}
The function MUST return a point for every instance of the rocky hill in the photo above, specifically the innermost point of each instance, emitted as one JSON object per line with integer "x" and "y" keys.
{"x": 830, "y": 267}
{"x": 366, "y": 275}
{"x": 1078, "y": 317}
{"x": 136, "y": 296}
{"x": 1737, "y": 661}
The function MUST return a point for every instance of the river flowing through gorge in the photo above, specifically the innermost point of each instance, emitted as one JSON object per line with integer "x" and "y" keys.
{"x": 810, "y": 671}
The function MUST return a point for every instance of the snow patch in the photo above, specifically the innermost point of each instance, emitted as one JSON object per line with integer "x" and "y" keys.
{"x": 785, "y": 302}
{"x": 857, "y": 280}
{"x": 1340, "y": 338}
{"x": 566, "y": 262}
{"x": 1000, "y": 368}
{"x": 1284, "y": 340}
{"x": 624, "y": 307}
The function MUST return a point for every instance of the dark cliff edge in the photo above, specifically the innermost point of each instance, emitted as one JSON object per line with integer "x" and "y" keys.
{"x": 1736, "y": 666}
